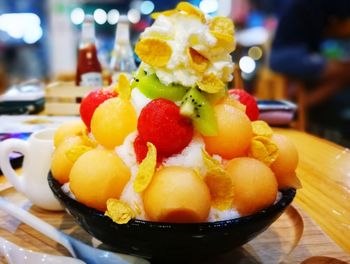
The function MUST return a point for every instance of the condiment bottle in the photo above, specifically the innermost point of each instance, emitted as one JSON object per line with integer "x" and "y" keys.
{"x": 122, "y": 58}
{"x": 89, "y": 71}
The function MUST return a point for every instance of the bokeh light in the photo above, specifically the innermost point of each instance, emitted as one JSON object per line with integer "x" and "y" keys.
{"x": 100, "y": 16}
{"x": 33, "y": 35}
{"x": 247, "y": 64}
{"x": 113, "y": 16}
{"x": 22, "y": 25}
{"x": 134, "y": 16}
{"x": 77, "y": 16}
{"x": 15, "y": 31}
{"x": 255, "y": 53}
{"x": 147, "y": 7}
{"x": 209, "y": 6}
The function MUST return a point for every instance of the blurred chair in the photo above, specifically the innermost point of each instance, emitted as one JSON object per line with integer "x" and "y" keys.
{"x": 270, "y": 85}
{"x": 3, "y": 80}
{"x": 274, "y": 86}
{"x": 300, "y": 99}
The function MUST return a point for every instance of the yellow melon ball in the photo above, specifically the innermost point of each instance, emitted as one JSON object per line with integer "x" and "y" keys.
{"x": 97, "y": 176}
{"x": 234, "y": 133}
{"x": 177, "y": 194}
{"x": 286, "y": 162}
{"x": 68, "y": 129}
{"x": 61, "y": 164}
{"x": 112, "y": 121}
{"x": 255, "y": 185}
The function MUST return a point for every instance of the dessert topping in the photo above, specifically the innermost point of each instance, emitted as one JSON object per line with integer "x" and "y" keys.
{"x": 191, "y": 10}
{"x": 197, "y": 61}
{"x": 76, "y": 151}
{"x": 222, "y": 25}
{"x": 219, "y": 183}
{"x": 263, "y": 149}
{"x": 146, "y": 169}
{"x": 123, "y": 87}
{"x": 210, "y": 84}
{"x": 119, "y": 211}
{"x": 261, "y": 128}
{"x": 153, "y": 51}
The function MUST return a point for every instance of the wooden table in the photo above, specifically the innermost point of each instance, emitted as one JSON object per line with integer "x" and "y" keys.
{"x": 324, "y": 171}
{"x": 315, "y": 229}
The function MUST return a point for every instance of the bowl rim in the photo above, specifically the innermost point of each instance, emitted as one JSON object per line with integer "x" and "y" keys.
{"x": 287, "y": 196}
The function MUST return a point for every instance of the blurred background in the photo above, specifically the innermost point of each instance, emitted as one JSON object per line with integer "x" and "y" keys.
{"x": 39, "y": 40}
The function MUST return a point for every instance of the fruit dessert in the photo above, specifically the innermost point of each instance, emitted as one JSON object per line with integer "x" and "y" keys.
{"x": 174, "y": 144}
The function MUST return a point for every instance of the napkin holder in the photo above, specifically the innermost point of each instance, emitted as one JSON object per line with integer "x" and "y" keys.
{"x": 277, "y": 112}
{"x": 63, "y": 98}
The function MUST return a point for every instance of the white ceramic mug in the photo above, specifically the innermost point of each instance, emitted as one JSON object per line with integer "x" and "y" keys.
{"x": 37, "y": 151}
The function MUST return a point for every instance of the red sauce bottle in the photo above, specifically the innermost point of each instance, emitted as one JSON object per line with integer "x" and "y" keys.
{"x": 89, "y": 70}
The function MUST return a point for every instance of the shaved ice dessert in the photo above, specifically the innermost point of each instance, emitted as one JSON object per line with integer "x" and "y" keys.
{"x": 173, "y": 144}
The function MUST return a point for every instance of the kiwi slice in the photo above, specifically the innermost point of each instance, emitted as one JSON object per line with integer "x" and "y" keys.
{"x": 137, "y": 76}
{"x": 196, "y": 106}
{"x": 151, "y": 87}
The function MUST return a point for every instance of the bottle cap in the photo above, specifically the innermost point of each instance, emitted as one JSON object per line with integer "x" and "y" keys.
{"x": 122, "y": 33}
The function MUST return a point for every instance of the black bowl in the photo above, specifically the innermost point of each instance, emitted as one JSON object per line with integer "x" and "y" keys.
{"x": 170, "y": 241}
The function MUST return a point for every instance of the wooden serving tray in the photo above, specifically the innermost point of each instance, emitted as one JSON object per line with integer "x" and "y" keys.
{"x": 293, "y": 238}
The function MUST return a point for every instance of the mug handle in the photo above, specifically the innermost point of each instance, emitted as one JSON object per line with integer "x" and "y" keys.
{"x": 6, "y": 147}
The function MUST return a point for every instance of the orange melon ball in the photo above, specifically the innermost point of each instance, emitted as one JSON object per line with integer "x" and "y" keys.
{"x": 68, "y": 129}
{"x": 233, "y": 102}
{"x": 96, "y": 176}
{"x": 289, "y": 180}
{"x": 60, "y": 162}
{"x": 255, "y": 185}
{"x": 112, "y": 121}
{"x": 177, "y": 194}
{"x": 286, "y": 162}
{"x": 234, "y": 133}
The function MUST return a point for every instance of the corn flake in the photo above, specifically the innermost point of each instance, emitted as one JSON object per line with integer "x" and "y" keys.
{"x": 211, "y": 84}
{"x": 155, "y": 52}
{"x": 219, "y": 183}
{"x": 222, "y": 25}
{"x": 191, "y": 10}
{"x": 146, "y": 169}
{"x": 87, "y": 140}
{"x": 263, "y": 149}
{"x": 119, "y": 211}
{"x": 75, "y": 152}
{"x": 261, "y": 128}
{"x": 197, "y": 61}
{"x": 212, "y": 164}
{"x": 170, "y": 12}
{"x": 137, "y": 208}
{"x": 123, "y": 87}
{"x": 224, "y": 41}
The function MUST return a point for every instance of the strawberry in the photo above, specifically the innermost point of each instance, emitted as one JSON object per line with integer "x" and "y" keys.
{"x": 160, "y": 123}
{"x": 140, "y": 147}
{"x": 91, "y": 101}
{"x": 248, "y": 100}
